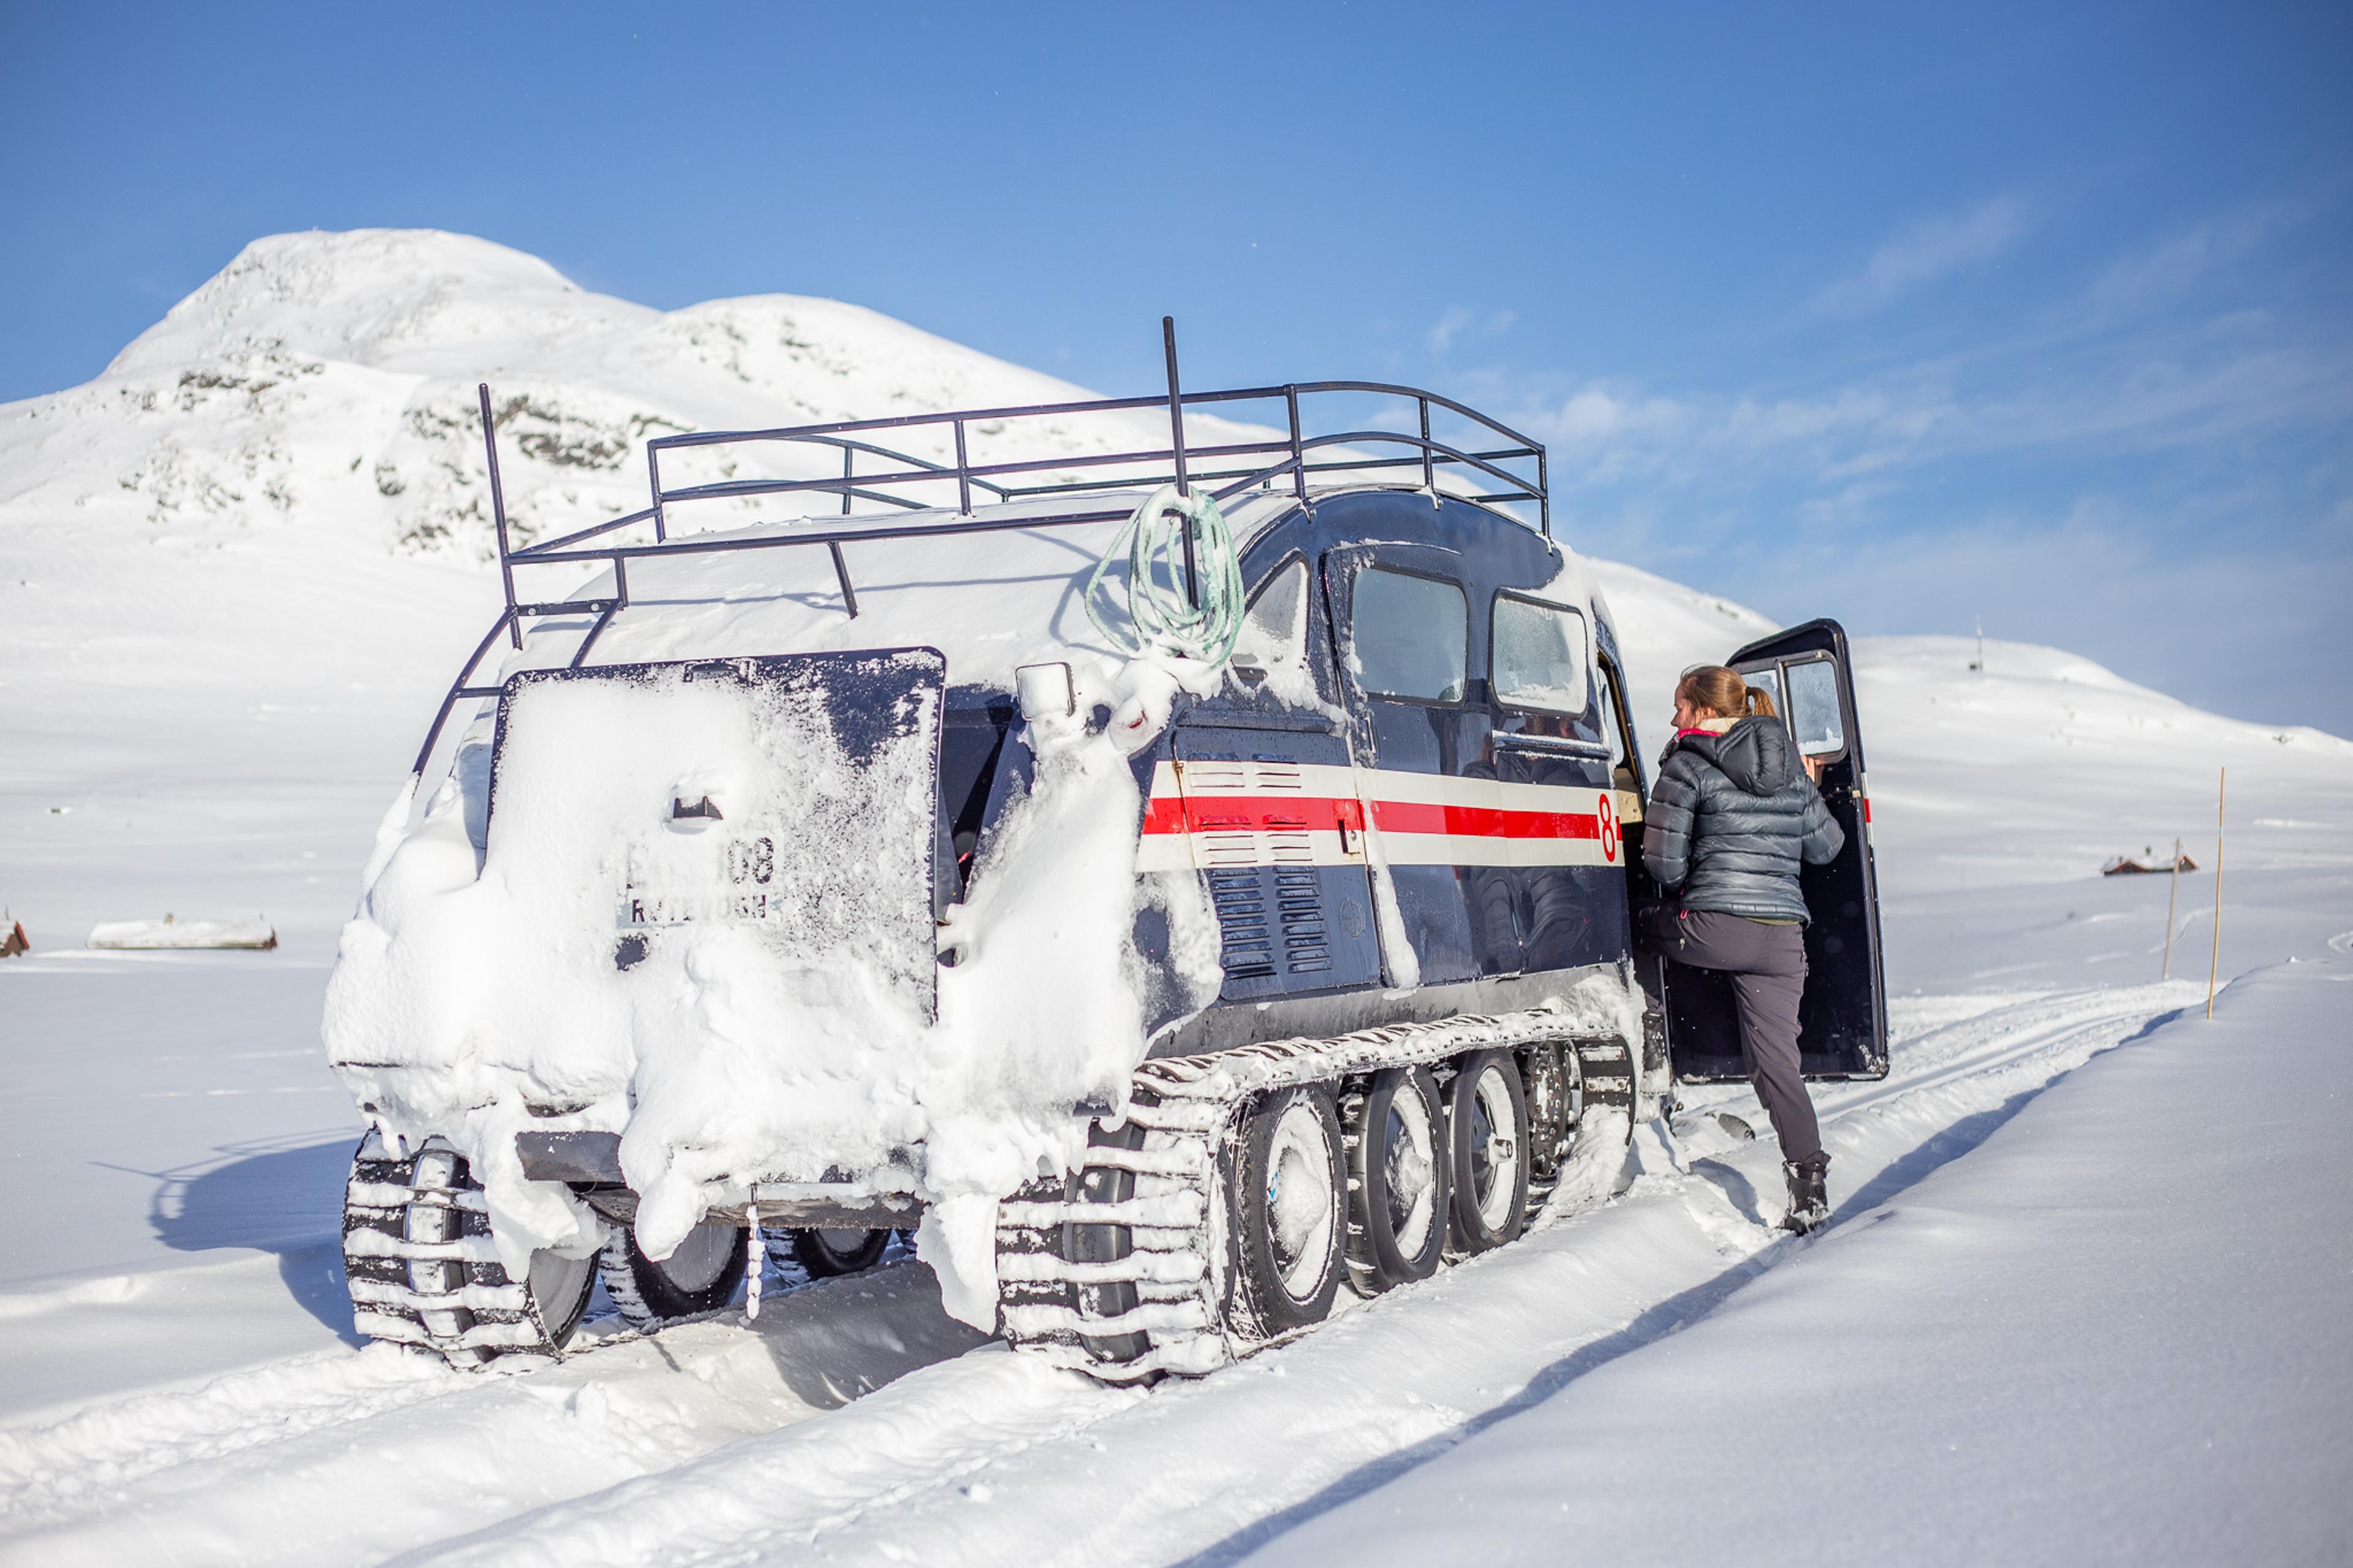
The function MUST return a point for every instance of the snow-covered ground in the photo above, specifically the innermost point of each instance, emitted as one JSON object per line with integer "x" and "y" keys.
{"x": 2089, "y": 1323}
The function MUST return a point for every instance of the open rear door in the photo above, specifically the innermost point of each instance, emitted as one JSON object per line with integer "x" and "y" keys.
{"x": 1842, "y": 1026}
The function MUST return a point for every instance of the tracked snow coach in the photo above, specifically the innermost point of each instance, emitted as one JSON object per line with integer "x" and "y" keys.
{"x": 1176, "y": 870}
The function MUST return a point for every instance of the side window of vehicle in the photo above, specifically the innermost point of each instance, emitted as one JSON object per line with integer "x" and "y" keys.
{"x": 1274, "y": 628}
{"x": 1813, "y": 711}
{"x": 1539, "y": 657}
{"x": 1409, "y": 637}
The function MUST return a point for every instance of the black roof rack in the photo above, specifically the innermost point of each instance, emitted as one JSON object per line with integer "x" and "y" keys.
{"x": 897, "y": 482}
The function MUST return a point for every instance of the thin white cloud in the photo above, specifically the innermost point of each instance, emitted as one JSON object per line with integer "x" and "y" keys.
{"x": 2198, "y": 383}
{"x": 1446, "y": 329}
{"x": 1456, "y": 321}
{"x": 1924, "y": 252}
{"x": 1592, "y": 416}
{"x": 2163, "y": 272}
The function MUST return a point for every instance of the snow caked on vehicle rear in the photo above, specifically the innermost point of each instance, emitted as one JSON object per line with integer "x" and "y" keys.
{"x": 1175, "y": 885}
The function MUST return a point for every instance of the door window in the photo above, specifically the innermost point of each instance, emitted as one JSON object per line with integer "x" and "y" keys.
{"x": 1539, "y": 656}
{"x": 1813, "y": 710}
{"x": 1409, "y": 637}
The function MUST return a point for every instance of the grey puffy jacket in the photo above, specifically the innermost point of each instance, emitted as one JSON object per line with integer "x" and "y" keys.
{"x": 1732, "y": 816}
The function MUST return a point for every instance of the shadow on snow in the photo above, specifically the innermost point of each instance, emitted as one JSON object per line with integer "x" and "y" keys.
{"x": 276, "y": 1197}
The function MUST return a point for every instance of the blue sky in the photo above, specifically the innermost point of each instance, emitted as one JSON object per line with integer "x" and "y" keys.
{"x": 2041, "y": 314}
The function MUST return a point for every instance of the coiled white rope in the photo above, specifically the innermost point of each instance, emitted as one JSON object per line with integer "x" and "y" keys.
{"x": 1162, "y": 616}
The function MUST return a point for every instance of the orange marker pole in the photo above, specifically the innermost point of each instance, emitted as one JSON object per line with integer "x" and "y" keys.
{"x": 2222, "y": 789}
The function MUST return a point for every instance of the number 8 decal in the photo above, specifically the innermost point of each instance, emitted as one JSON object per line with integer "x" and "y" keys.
{"x": 1605, "y": 813}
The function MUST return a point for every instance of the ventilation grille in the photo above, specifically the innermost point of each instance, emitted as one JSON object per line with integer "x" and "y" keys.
{"x": 1271, "y": 920}
{"x": 1225, "y": 846}
{"x": 1221, "y": 776}
{"x": 1241, "y": 918}
{"x": 1306, "y": 949}
{"x": 1259, "y": 865}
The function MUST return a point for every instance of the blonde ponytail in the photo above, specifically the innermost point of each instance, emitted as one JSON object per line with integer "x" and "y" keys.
{"x": 1723, "y": 691}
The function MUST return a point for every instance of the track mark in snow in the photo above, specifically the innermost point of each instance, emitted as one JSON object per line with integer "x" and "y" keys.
{"x": 2008, "y": 1038}
{"x": 74, "y": 1466}
{"x": 314, "y": 1474}
{"x": 1910, "y": 1017}
{"x": 931, "y": 1432}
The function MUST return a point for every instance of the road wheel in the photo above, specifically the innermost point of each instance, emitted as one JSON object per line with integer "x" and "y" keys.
{"x": 1397, "y": 1165}
{"x": 1289, "y": 1212}
{"x": 827, "y": 1253}
{"x": 1488, "y": 1117}
{"x": 699, "y": 1276}
{"x": 559, "y": 1288}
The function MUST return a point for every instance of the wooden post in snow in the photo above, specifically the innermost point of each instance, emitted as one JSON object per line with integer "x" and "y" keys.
{"x": 2222, "y": 789}
{"x": 2172, "y": 891}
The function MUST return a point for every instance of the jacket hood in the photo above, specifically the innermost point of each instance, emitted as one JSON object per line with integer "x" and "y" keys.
{"x": 1754, "y": 754}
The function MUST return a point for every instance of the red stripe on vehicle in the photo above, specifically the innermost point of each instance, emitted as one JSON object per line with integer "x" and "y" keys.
{"x": 1243, "y": 813}
{"x": 1163, "y": 814}
{"x": 1483, "y": 822}
{"x": 1236, "y": 813}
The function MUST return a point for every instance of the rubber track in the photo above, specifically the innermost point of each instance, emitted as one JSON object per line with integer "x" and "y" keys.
{"x": 419, "y": 1262}
{"x": 1170, "y": 1286}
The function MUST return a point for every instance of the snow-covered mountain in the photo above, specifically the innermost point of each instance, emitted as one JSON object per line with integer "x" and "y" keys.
{"x": 237, "y": 568}
{"x": 331, "y": 377}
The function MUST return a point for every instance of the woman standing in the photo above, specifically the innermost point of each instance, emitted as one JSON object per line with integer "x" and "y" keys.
{"x": 1735, "y": 813}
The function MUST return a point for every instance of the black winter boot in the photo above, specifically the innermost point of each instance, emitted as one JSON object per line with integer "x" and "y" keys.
{"x": 1810, "y": 1203}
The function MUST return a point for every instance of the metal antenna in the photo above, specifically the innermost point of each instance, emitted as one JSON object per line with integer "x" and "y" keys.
{"x": 2214, "y": 968}
{"x": 2172, "y": 891}
{"x": 499, "y": 513}
{"x": 1176, "y": 440}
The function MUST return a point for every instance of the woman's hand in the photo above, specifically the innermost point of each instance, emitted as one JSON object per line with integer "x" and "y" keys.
{"x": 1814, "y": 770}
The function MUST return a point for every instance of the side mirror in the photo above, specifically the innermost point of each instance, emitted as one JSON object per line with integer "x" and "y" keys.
{"x": 1046, "y": 691}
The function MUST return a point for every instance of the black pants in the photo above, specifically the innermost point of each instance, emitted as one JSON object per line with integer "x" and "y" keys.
{"x": 1767, "y": 966}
